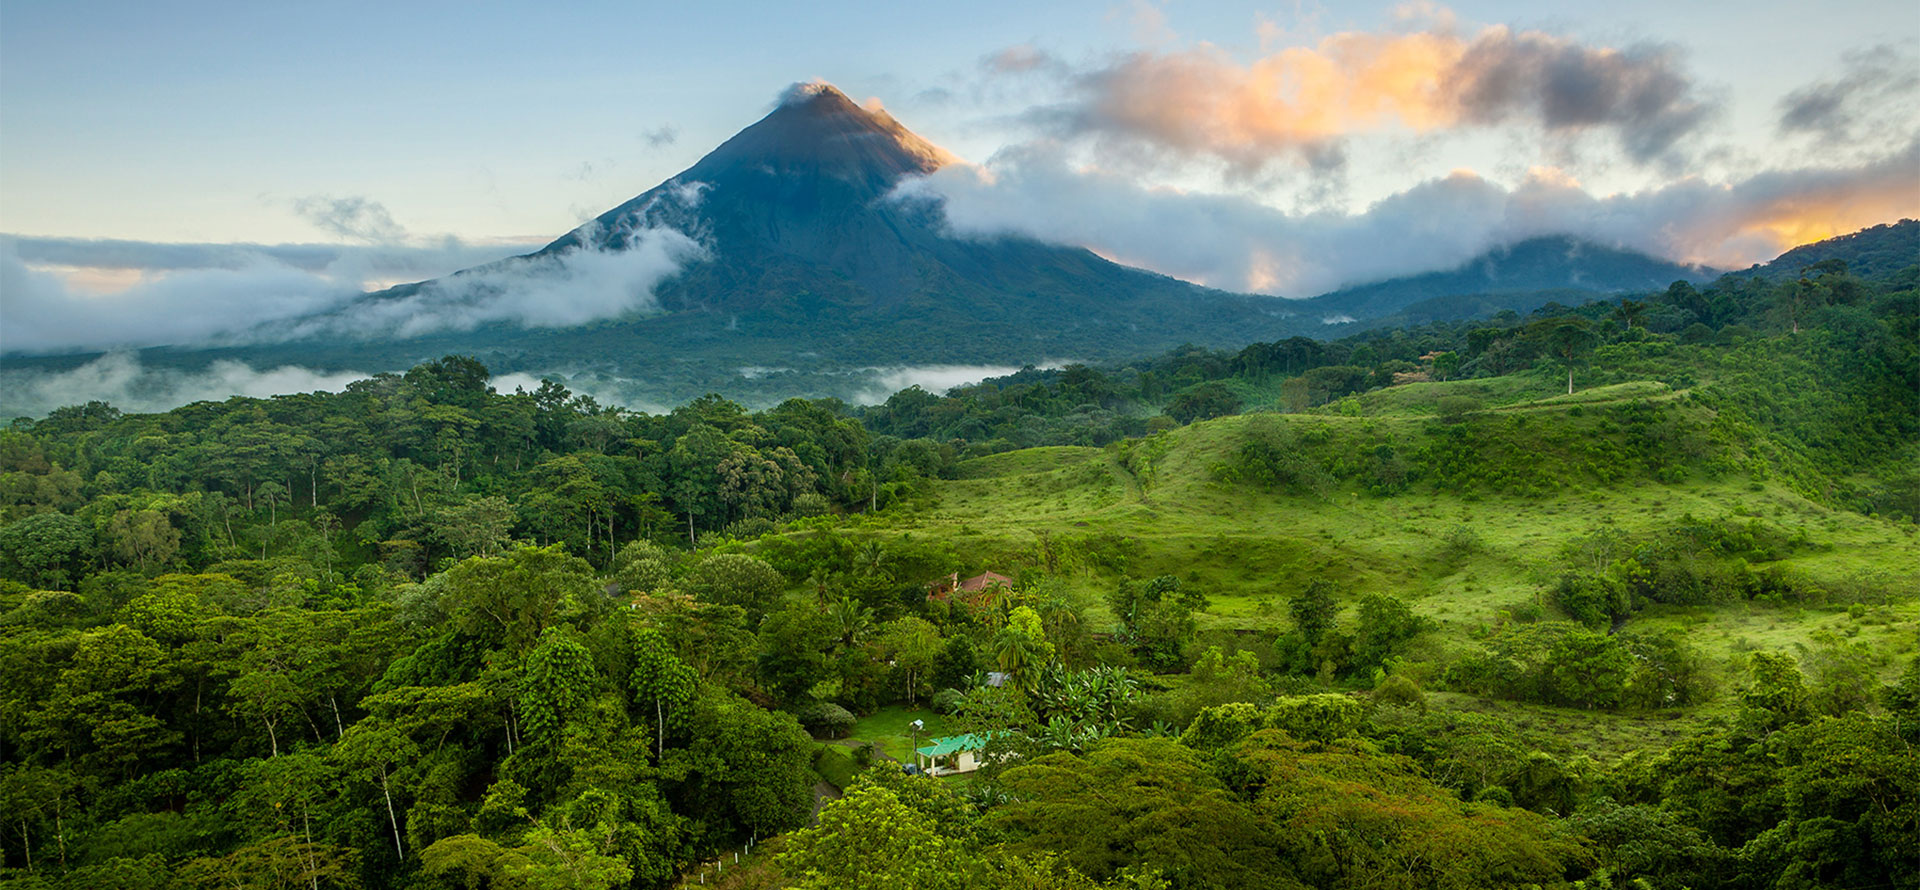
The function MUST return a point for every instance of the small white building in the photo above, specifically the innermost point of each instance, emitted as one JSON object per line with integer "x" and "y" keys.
{"x": 951, "y": 755}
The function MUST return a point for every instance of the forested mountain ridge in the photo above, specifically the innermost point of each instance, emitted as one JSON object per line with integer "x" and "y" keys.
{"x": 1880, "y": 253}
{"x": 1300, "y": 615}
{"x": 1528, "y": 272}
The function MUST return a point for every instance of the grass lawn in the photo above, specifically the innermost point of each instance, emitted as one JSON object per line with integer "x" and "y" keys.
{"x": 887, "y": 729}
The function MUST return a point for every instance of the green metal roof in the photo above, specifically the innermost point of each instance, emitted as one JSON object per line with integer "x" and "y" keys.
{"x": 950, "y": 744}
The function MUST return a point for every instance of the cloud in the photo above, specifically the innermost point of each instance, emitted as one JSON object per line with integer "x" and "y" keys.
{"x": 562, "y": 289}
{"x": 415, "y": 261}
{"x": 204, "y": 294}
{"x": 121, "y": 380}
{"x": 1023, "y": 59}
{"x": 876, "y": 385}
{"x": 1236, "y": 243}
{"x": 41, "y": 314}
{"x": 661, "y": 136}
{"x": 355, "y": 218}
{"x": 1641, "y": 92}
{"x": 1876, "y": 81}
{"x": 803, "y": 91}
{"x": 1298, "y": 104}
{"x": 164, "y": 294}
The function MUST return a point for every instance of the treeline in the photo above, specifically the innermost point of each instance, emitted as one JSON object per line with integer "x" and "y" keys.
{"x": 408, "y": 471}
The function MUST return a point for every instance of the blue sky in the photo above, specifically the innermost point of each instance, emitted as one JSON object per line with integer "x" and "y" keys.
{"x": 433, "y": 134}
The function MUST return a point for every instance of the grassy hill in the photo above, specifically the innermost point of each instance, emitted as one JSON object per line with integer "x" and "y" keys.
{"x": 1491, "y": 507}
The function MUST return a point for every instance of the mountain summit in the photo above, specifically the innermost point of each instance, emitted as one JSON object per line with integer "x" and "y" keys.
{"x": 803, "y": 235}
{"x": 788, "y": 247}
{"x": 815, "y": 151}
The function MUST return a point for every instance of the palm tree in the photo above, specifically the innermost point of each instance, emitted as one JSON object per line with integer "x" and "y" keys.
{"x": 851, "y": 618}
{"x": 1015, "y": 652}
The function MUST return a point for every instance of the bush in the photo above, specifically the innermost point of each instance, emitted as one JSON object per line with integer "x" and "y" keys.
{"x": 1454, "y": 409}
{"x": 751, "y": 527}
{"x": 1592, "y": 600}
{"x": 947, "y": 700}
{"x": 826, "y": 720}
{"x": 1400, "y": 691}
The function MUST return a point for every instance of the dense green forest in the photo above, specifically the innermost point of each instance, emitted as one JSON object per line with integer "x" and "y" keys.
{"x": 1617, "y": 595}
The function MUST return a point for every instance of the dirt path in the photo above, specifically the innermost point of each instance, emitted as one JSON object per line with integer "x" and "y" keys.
{"x": 1127, "y": 481}
{"x": 823, "y": 791}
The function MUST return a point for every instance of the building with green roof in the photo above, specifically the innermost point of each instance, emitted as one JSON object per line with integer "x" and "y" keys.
{"x": 951, "y": 755}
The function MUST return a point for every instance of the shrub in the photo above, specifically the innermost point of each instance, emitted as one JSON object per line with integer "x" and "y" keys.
{"x": 946, "y": 700}
{"x": 1454, "y": 409}
{"x": 1400, "y": 691}
{"x": 826, "y": 720}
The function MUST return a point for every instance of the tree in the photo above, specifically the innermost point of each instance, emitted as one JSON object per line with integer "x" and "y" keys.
{"x": 507, "y": 601}
{"x": 47, "y": 550}
{"x": 1203, "y": 402}
{"x": 736, "y": 579}
{"x": 1021, "y": 647}
{"x": 1777, "y": 695}
{"x": 272, "y": 494}
{"x": 557, "y": 679}
{"x": 694, "y": 474}
{"x": 1140, "y": 803}
{"x": 272, "y": 864}
{"x": 1589, "y": 669}
{"x": 145, "y": 538}
{"x": 1570, "y": 342}
{"x": 913, "y": 645}
{"x": 870, "y": 840}
{"x": 1631, "y": 313}
{"x": 662, "y": 680}
{"x": 748, "y": 768}
{"x": 1314, "y": 610}
{"x": 1386, "y": 624}
{"x": 957, "y": 662}
{"x": 1355, "y": 819}
{"x": 371, "y": 749}
{"x": 476, "y": 527}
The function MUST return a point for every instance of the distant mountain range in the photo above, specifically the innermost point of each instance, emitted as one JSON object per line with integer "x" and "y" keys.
{"x": 789, "y": 264}
{"x": 1521, "y": 276}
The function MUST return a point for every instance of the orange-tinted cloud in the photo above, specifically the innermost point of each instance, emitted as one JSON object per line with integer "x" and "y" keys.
{"x": 1299, "y": 102}
{"x": 1233, "y": 242}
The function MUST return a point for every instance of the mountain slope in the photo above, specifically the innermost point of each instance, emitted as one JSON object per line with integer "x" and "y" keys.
{"x": 1874, "y": 254}
{"x": 805, "y": 251}
{"x": 1550, "y": 268}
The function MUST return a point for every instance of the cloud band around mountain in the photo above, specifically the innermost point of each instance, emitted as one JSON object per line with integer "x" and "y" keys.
{"x": 208, "y": 294}
{"x": 1237, "y": 243}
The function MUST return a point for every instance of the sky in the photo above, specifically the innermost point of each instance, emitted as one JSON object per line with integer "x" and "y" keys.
{"x": 169, "y": 170}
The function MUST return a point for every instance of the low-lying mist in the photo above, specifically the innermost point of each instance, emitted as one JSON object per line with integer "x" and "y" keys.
{"x": 129, "y": 384}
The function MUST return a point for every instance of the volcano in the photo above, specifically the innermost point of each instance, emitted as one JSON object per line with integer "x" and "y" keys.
{"x": 809, "y": 254}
